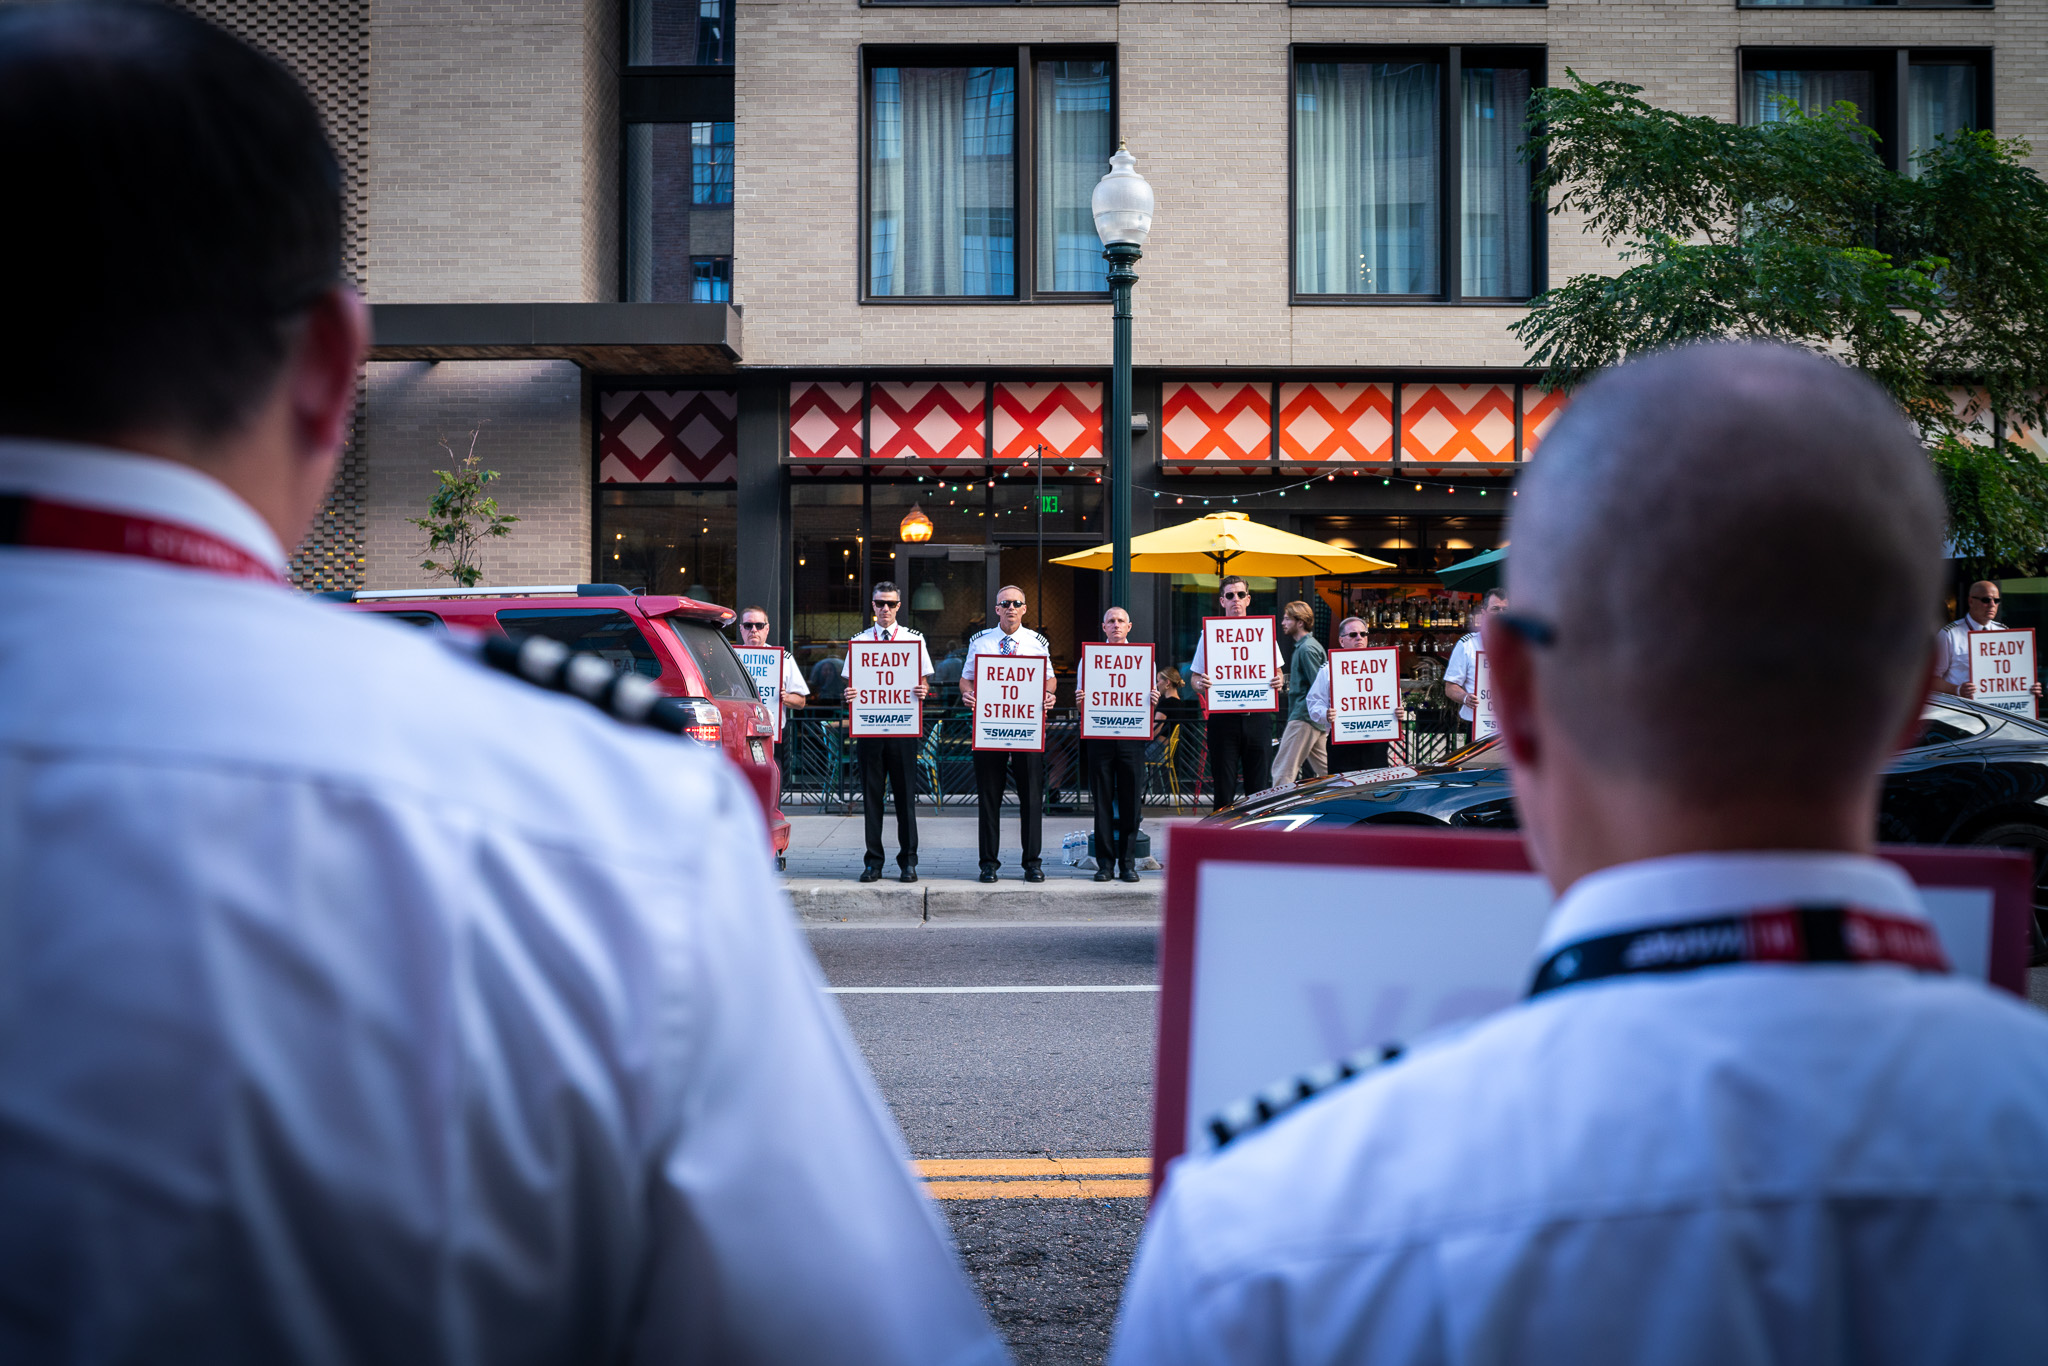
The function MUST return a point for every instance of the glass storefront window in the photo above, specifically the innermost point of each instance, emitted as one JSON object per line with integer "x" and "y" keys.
{"x": 670, "y": 540}
{"x": 1069, "y": 506}
{"x": 828, "y": 592}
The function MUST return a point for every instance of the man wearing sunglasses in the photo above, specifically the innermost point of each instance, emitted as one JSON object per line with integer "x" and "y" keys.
{"x": 1240, "y": 743}
{"x": 890, "y": 760}
{"x": 1116, "y": 779}
{"x": 994, "y": 770}
{"x": 1351, "y": 635}
{"x": 1954, "y": 665}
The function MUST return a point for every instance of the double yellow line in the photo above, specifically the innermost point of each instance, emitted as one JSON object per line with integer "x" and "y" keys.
{"x": 1034, "y": 1178}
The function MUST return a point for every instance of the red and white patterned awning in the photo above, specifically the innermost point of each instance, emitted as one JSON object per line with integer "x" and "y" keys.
{"x": 1230, "y": 422}
{"x": 1539, "y": 410}
{"x": 662, "y": 436}
{"x": 1325, "y": 422}
{"x": 1446, "y": 424}
{"x": 1064, "y": 417}
{"x": 824, "y": 421}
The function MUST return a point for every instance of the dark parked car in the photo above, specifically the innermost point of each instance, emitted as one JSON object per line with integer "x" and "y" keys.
{"x": 1973, "y": 776}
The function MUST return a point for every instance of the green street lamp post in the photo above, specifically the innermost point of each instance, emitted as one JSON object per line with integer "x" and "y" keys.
{"x": 1122, "y": 205}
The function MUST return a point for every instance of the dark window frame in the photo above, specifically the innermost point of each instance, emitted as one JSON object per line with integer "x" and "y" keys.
{"x": 1891, "y": 70}
{"x": 1454, "y": 57}
{"x": 1838, "y": 6}
{"x": 629, "y": 67}
{"x": 1024, "y": 58}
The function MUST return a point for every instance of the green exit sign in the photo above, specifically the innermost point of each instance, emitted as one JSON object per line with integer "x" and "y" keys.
{"x": 1049, "y": 502}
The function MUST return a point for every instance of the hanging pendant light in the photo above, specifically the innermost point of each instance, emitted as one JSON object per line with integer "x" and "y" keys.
{"x": 915, "y": 526}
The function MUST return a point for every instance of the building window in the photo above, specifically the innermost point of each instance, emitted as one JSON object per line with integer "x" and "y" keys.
{"x": 950, "y": 214}
{"x": 1408, "y": 177}
{"x": 670, "y": 540}
{"x": 678, "y": 211}
{"x": 1861, "y": 4}
{"x": 1945, "y": 91}
{"x": 679, "y": 33}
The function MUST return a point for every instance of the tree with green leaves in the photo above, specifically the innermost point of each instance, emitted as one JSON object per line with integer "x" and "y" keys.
{"x": 460, "y": 517}
{"x": 1934, "y": 282}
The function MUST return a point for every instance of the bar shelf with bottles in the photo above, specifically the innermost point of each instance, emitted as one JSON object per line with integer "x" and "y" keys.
{"x": 1425, "y": 626}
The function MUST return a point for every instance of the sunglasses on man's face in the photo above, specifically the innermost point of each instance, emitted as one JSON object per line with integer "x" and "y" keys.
{"x": 1976, "y": 597}
{"x": 1352, "y": 635}
{"x": 1012, "y": 606}
{"x": 1233, "y": 597}
{"x": 889, "y": 603}
{"x": 753, "y": 626}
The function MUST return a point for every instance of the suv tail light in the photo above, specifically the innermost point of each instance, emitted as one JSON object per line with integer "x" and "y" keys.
{"x": 698, "y": 716}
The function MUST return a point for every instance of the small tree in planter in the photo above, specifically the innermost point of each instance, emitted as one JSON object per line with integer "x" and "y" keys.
{"x": 460, "y": 517}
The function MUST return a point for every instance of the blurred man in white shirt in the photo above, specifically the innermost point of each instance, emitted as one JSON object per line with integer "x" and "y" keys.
{"x": 356, "y": 1004}
{"x": 1952, "y": 670}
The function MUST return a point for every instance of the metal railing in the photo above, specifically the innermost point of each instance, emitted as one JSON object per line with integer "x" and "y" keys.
{"x": 820, "y": 772}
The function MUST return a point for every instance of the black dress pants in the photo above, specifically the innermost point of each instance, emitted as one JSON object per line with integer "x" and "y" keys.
{"x": 888, "y": 760}
{"x": 994, "y": 768}
{"x": 1116, "y": 774}
{"x": 1352, "y": 758}
{"x": 1240, "y": 747}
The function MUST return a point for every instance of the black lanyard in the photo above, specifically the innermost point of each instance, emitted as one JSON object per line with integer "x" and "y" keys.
{"x": 1769, "y": 934}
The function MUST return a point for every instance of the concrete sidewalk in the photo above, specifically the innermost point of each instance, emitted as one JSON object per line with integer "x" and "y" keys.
{"x": 826, "y": 852}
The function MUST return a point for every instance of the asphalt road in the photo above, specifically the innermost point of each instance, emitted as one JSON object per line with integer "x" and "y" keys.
{"x": 1007, "y": 1075}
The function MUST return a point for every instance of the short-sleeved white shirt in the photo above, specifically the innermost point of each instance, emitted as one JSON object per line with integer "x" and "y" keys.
{"x": 793, "y": 677}
{"x": 990, "y": 642}
{"x": 1955, "y": 641}
{"x": 1461, "y": 669}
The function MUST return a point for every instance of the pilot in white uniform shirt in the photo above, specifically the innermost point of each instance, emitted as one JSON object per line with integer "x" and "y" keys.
{"x": 1764, "y": 1220}
{"x": 993, "y": 642}
{"x": 358, "y": 1004}
{"x": 1200, "y": 663}
{"x": 1955, "y": 642}
{"x": 1461, "y": 669}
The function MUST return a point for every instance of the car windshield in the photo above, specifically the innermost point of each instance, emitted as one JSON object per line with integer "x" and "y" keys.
{"x": 1487, "y": 753}
{"x": 723, "y": 674}
{"x": 603, "y": 631}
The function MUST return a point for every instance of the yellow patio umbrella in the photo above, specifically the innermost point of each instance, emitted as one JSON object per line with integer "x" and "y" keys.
{"x": 1229, "y": 543}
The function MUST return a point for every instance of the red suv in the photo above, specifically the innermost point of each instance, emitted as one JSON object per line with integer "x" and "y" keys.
{"x": 677, "y": 643}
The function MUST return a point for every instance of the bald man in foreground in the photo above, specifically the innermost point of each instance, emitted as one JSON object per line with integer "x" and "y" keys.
{"x": 1733, "y": 1161}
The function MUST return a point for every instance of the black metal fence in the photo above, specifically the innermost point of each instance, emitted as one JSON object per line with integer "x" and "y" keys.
{"x": 819, "y": 771}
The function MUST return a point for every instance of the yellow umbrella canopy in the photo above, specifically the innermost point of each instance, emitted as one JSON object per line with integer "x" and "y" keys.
{"x": 1229, "y": 543}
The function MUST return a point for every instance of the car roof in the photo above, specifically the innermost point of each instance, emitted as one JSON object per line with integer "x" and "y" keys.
{"x": 583, "y": 595}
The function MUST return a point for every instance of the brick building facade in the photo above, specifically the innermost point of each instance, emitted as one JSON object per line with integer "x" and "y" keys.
{"x": 494, "y": 162}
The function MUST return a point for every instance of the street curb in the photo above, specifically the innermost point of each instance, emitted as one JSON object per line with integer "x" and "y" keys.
{"x": 962, "y": 901}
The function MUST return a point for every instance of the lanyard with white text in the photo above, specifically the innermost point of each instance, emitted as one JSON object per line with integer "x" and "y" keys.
{"x": 46, "y": 525}
{"x": 1774, "y": 934}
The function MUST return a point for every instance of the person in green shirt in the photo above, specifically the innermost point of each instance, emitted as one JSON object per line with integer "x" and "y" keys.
{"x": 1303, "y": 738}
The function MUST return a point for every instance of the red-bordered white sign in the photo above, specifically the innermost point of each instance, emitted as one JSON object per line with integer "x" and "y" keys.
{"x": 2002, "y": 667}
{"x": 763, "y": 664}
{"x": 1114, "y": 688}
{"x": 1009, "y": 702}
{"x": 1282, "y": 952}
{"x": 1483, "y": 723}
{"x": 1365, "y": 695}
{"x": 884, "y": 675}
{"x": 1239, "y": 659}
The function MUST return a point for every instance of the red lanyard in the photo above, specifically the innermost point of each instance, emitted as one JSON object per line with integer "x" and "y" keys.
{"x": 1773, "y": 934}
{"x": 46, "y": 525}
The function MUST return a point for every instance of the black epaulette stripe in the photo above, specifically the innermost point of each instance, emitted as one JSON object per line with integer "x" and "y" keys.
{"x": 549, "y": 664}
{"x": 1235, "y": 1121}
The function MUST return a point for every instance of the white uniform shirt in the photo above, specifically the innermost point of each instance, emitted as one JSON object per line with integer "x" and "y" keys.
{"x": 1955, "y": 643}
{"x": 793, "y": 677}
{"x": 361, "y": 1005}
{"x": 1318, "y": 700}
{"x": 1462, "y": 670}
{"x": 1754, "y": 1163}
{"x": 902, "y": 632}
{"x": 990, "y": 642}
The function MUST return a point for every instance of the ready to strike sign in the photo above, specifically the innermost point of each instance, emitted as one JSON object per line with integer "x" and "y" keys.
{"x": 764, "y": 666}
{"x": 2002, "y": 667}
{"x": 1365, "y": 696}
{"x": 1009, "y": 701}
{"x": 883, "y": 674}
{"x": 1116, "y": 692}
{"x": 1483, "y": 723}
{"x": 1237, "y": 655}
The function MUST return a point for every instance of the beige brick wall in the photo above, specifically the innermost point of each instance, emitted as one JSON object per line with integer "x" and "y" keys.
{"x": 534, "y": 433}
{"x": 493, "y": 151}
{"x": 1203, "y": 105}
